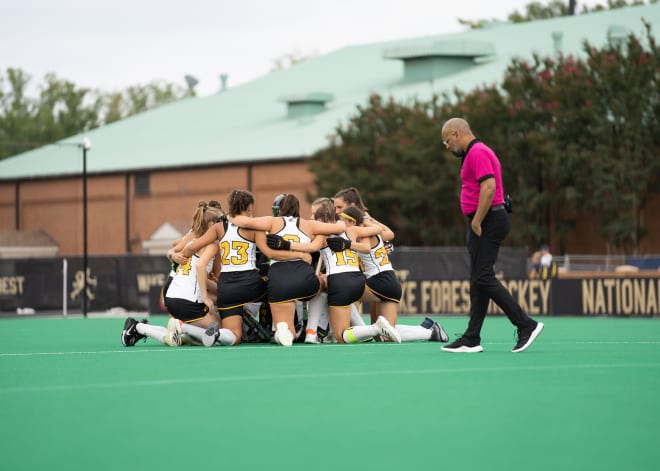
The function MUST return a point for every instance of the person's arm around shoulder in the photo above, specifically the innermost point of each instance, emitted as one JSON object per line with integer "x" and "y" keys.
{"x": 368, "y": 230}
{"x": 314, "y": 246}
{"x": 386, "y": 234}
{"x": 327, "y": 228}
{"x": 280, "y": 255}
{"x": 215, "y": 232}
{"x": 178, "y": 245}
{"x": 261, "y": 223}
{"x": 486, "y": 193}
{"x": 357, "y": 244}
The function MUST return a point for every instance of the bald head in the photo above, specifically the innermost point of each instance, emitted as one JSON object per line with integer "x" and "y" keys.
{"x": 457, "y": 135}
{"x": 456, "y": 124}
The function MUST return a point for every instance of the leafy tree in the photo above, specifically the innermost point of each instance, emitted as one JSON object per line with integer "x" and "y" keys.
{"x": 64, "y": 110}
{"x": 583, "y": 136}
{"x": 18, "y": 130}
{"x": 390, "y": 152}
{"x": 61, "y": 109}
{"x": 625, "y": 95}
{"x": 577, "y": 139}
{"x": 139, "y": 98}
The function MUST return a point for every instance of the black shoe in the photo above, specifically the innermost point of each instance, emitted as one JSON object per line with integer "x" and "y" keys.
{"x": 438, "y": 334}
{"x": 427, "y": 323}
{"x": 527, "y": 336}
{"x": 130, "y": 335}
{"x": 463, "y": 345}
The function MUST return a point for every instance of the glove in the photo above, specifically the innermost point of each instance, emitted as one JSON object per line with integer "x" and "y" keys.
{"x": 276, "y": 242}
{"x": 338, "y": 244}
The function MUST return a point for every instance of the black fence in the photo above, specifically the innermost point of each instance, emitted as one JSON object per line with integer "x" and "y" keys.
{"x": 434, "y": 280}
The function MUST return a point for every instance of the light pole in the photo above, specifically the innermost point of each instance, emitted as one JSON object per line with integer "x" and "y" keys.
{"x": 86, "y": 145}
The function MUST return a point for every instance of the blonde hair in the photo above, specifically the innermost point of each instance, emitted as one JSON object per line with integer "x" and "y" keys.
{"x": 323, "y": 202}
{"x": 204, "y": 217}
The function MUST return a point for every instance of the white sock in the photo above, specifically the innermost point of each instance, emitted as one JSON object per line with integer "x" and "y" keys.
{"x": 356, "y": 317}
{"x": 359, "y": 333}
{"x": 316, "y": 307}
{"x": 155, "y": 332}
{"x": 193, "y": 331}
{"x": 410, "y": 333}
{"x": 226, "y": 337}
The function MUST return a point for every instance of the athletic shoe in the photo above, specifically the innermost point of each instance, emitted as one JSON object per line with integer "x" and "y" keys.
{"x": 386, "y": 330}
{"x": 329, "y": 338}
{"x": 438, "y": 334}
{"x": 527, "y": 336}
{"x": 427, "y": 323}
{"x": 130, "y": 335}
{"x": 283, "y": 335}
{"x": 210, "y": 335}
{"x": 463, "y": 345}
{"x": 173, "y": 335}
{"x": 311, "y": 337}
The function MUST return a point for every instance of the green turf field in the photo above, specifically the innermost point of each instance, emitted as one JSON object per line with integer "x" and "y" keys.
{"x": 585, "y": 396}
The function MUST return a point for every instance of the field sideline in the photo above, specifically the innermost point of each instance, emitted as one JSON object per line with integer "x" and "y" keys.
{"x": 585, "y": 396}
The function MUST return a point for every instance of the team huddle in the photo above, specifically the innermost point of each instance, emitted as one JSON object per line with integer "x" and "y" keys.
{"x": 283, "y": 278}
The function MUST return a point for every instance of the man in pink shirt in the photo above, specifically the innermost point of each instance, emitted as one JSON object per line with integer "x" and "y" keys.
{"x": 482, "y": 202}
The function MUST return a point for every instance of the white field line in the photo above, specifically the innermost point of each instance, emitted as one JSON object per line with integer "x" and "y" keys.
{"x": 310, "y": 347}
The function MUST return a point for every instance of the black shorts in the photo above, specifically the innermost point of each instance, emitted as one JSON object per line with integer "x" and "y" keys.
{"x": 185, "y": 310}
{"x": 291, "y": 281}
{"x": 385, "y": 285}
{"x": 345, "y": 288}
{"x": 233, "y": 311}
{"x": 238, "y": 288}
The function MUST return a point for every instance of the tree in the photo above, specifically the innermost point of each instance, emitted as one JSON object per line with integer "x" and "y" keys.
{"x": 139, "y": 98}
{"x": 17, "y": 128}
{"x": 625, "y": 92}
{"x": 62, "y": 109}
{"x": 577, "y": 138}
{"x": 390, "y": 152}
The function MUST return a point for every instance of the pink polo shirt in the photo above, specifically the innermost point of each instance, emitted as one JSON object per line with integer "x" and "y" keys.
{"x": 479, "y": 164}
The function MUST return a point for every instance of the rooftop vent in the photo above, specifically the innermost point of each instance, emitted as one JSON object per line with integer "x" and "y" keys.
{"x": 307, "y": 104}
{"x": 430, "y": 60}
{"x": 557, "y": 41}
{"x": 617, "y": 34}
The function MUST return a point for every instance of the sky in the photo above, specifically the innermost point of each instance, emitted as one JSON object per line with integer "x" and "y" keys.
{"x": 111, "y": 45}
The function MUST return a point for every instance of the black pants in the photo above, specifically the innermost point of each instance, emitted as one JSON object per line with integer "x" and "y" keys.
{"x": 483, "y": 284}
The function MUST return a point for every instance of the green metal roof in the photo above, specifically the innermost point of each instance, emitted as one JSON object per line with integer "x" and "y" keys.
{"x": 252, "y": 122}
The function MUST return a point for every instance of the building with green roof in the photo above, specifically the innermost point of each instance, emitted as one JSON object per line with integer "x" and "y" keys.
{"x": 151, "y": 169}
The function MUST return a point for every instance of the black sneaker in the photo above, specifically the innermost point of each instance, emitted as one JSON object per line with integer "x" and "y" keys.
{"x": 527, "y": 336}
{"x": 427, "y": 323}
{"x": 463, "y": 345}
{"x": 438, "y": 334}
{"x": 130, "y": 335}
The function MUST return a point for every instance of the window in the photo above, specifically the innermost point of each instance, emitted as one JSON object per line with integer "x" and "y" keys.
{"x": 141, "y": 183}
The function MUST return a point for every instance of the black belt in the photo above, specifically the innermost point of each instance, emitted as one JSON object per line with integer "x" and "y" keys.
{"x": 497, "y": 207}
